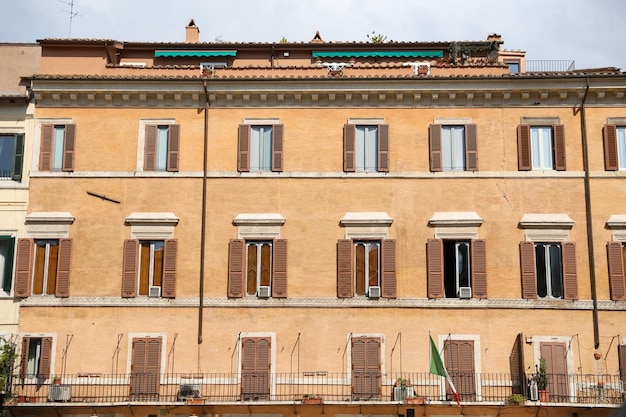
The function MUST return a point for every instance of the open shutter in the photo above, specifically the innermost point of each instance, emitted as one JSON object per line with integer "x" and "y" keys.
{"x": 524, "y": 161}
{"x": 349, "y": 152}
{"x": 621, "y": 354}
{"x": 516, "y": 364}
{"x": 479, "y": 268}
{"x": 18, "y": 159}
{"x": 434, "y": 142}
{"x": 609, "y": 134}
{"x": 383, "y": 148}
{"x": 63, "y": 268}
{"x": 389, "y": 286}
{"x": 279, "y": 269}
{"x": 570, "y": 282}
{"x": 527, "y": 269}
{"x": 559, "y": 147}
{"x": 236, "y": 266}
{"x": 23, "y": 267}
{"x": 471, "y": 148}
{"x": 345, "y": 273}
{"x": 277, "y": 148}
{"x": 434, "y": 255}
{"x": 129, "y": 272}
{"x": 45, "y": 153}
{"x": 173, "y": 147}
{"x": 616, "y": 270}
{"x": 69, "y": 143}
{"x": 149, "y": 156}
{"x": 170, "y": 250}
{"x": 8, "y": 263}
{"x": 45, "y": 358}
{"x": 24, "y": 356}
{"x": 243, "y": 148}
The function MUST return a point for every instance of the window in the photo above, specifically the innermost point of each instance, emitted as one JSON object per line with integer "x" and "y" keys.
{"x": 162, "y": 147}
{"x": 457, "y": 268}
{"x": 57, "y": 147}
{"x": 513, "y": 67}
{"x": 549, "y": 270}
{"x": 43, "y": 267}
{"x": 614, "y": 147}
{"x": 257, "y": 268}
{"x": 11, "y": 156}
{"x": 7, "y": 248}
{"x": 366, "y": 148}
{"x": 366, "y": 268}
{"x": 541, "y": 147}
{"x": 617, "y": 259}
{"x": 149, "y": 268}
{"x": 453, "y": 147}
{"x": 260, "y": 148}
{"x": 35, "y": 357}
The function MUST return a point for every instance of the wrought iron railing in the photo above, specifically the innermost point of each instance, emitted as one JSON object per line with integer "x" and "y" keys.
{"x": 550, "y": 65}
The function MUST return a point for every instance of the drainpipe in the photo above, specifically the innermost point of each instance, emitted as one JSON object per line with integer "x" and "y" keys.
{"x": 203, "y": 228}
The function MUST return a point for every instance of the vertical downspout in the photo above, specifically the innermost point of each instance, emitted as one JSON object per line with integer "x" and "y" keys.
{"x": 203, "y": 227}
{"x": 589, "y": 218}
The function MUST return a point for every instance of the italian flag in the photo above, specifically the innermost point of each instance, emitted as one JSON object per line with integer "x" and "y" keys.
{"x": 437, "y": 368}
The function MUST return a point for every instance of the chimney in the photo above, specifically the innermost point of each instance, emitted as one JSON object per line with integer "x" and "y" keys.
{"x": 192, "y": 32}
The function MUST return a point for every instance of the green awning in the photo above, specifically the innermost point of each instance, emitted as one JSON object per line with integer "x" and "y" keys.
{"x": 201, "y": 54}
{"x": 382, "y": 54}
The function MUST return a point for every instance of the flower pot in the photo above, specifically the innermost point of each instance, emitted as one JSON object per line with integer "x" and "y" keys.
{"x": 21, "y": 398}
{"x": 544, "y": 395}
{"x": 415, "y": 400}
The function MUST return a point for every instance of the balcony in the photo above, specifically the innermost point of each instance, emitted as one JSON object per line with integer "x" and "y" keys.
{"x": 289, "y": 388}
{"x": 554, "y": 65}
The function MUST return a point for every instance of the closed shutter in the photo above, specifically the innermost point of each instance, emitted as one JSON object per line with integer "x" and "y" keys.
{"x": 555, "y": 355}
{"x": 24, "y": 356}
{"x": 524, "y": 161}
{"x": 8, "y": 263}
{"x": 45, "y": 357}
{"x": 129, "y": 268}
{"x": 436, "y": 162}
{"x": 345, "y": 274}
{"x": 279, "y": 269}
{"x": 609, "y": 134}
{"x": 255, "y": 368}
{"x": 621, "y": 354}
{"x": 63, "y": 268}
{"x": 616, "y": 270}
{"x": 69, "y": 144}
{"x": 434, "y": 255}
{"x": 559, "y": 147}
{"x": 18, "y": 159}
{"x": 366, "y": 374}
{"x": 150, "y": 148}
{"x": 527, "y": 269}
{"x": 479, "y": 268}
{"x": 349, "y": 152}
{"x": 277, "y": 148}
{"x": 23, "y": 267}
{"x": 388, "y": 261}
{"x": 471, "y": 148}
{"x": 236, "y": 268}
{"x": 45, "y": 153}
{"x": 173, "y": 147}
{"x": 570, "y": 282}
{"x": 145, "y": 368}
{"x": 170, "y": 251}
{"x": 459, "y": 361}
{"x": 383, "y": 148}
{"x": 243, "y": 148}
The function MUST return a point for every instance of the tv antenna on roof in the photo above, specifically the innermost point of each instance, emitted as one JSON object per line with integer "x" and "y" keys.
{"x": 72, "y": 14}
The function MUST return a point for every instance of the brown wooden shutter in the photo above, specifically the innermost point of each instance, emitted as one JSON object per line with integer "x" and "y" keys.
{"x": 255, "y": 368}
{"x": 243, "y": 148}
{"x": 24, "y": 356}
{"x": 345, "y": 272}
{"x": 170, "y": 250}
{"x": 277, "y": 148}
{"x": 145, "y": 367}
{"x": 388, "y": 282}
{"x": 150, "y": 148}
{"x": 45, "y": 154}
{"x": 471, "y": 147}
{"x": 23, "y": 267}
{"x": 63, "y": 268}
{"x": 524, "y": 160}
{"x": 279, "y": 269}
{"x": 366, "y": 376}
{"x": 383, "y": 148}
{"x": 517, "y": 367}
{"x": 436, "y": 162}
{"x": 45, "y": 357}
{"x": 527, "y": 269}
{"x": 616, "y": 270}
{"x": 609, "y": 134}
{"x": 236, "y": 268}
{"x": 173, "y": 147}
{"x": 349, "y": 152}
{"x": 434, "y": 256}
{"x": 69, "y": 144}
{"x": 621, "y": 355}
{"x": 570, "y": 282}
{"x": 555, "y": 355}
{"x": 459, "y": 362}
{"x": 559, "y": 147}
{"x": 479, "y": 268}
{"x": 129, "y": 268}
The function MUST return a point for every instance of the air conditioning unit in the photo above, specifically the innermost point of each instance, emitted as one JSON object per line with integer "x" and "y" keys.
{"x": 154, "y": 292}
{"x": 60, "y": 393}
{"x": 465, "y": 292}
{"x": 265, "y": 292}
{"x": 187, "y": 391}
{"x": 374, "y": 292}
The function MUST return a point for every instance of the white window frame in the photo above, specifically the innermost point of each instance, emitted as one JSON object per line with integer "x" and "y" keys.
{"x": 37, "y": 140}
{"x": 621, "y": 147}
{"x": 150, "y": 263}
{"x": 141, "y": 140}
{"x": 548, "y": 271}
{"x": 13, "y": 135}
{"x": 368, "y": 245}
{"x": 542, "y": 147}
{"x": 261, "y": 140}
{"x": 453, "y": 147}
{"x": 46, "y": 267}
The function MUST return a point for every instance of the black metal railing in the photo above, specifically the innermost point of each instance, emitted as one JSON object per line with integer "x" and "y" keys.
{"x": 550, "y": 65}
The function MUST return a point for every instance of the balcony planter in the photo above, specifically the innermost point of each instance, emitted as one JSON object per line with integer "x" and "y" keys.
{"x": 21, "y": 398}
{"x": 312, "y": 399}
{"x": 194, "y": 401}
{"x": 516, "y": 399}
{"x": 415, "y": 400}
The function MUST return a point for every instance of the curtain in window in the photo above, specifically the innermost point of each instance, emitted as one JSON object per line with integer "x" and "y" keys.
{"x": 541, "y": 147}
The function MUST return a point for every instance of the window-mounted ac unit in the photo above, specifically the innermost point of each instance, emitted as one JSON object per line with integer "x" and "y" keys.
{"x": 374, "y": 292}
{"x": 60, "y": 393}
{"x": 465, "y": 292}
{"x": 265, "y": 292}
{"x": 154, "y": 292}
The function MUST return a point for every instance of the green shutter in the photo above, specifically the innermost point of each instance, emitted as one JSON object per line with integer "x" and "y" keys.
{"x": 18, "y": 160}
{"x": 7, "y": 279}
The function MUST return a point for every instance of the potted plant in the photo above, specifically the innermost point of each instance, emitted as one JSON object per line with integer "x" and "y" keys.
{"x": 541, "y": 377}
{"x": 516, "y": 399}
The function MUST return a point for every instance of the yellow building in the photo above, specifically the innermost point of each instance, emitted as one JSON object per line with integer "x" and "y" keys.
{"x": 244, "y": 229}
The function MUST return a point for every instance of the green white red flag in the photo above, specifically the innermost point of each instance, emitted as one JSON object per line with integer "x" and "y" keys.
{"x": 437, "y": 367}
